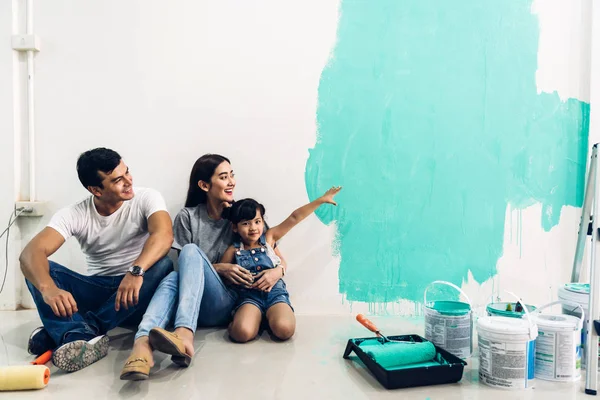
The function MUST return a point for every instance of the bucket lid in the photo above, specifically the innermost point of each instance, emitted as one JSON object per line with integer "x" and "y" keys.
{"x": 507, "y": 326}
{"x": 581, "y": 288}
{"x": 447, "y": 307}
{"x": 557, "y": 322}
{"x": 500, "y": 309}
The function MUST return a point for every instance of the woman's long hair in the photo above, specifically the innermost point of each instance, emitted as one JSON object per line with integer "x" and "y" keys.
{"x": 203, "y": 170}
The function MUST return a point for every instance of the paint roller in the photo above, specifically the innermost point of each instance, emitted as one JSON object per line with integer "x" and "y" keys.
{"x": 43, "y": 358}
{"x": 396, "y": 353}
{"x": 35, "y": 376}
{"x": 24, "y": 377}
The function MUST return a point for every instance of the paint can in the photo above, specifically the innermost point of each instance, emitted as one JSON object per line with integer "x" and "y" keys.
{"x": 499, "y": 310}
{"x": 558, "y": 345}
{"x": 449, "y": 324}
{"x": 507, "y": 352}
{"x": 579, "y": 294}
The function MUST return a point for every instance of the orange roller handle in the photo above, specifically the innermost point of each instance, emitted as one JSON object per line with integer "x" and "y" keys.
{"x": 367, "y": 323}
{"x": 43, "y": 359}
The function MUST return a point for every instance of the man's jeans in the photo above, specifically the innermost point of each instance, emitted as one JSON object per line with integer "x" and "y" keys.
{"x": 95, "y": 297}
{"x": 194, "y": 296}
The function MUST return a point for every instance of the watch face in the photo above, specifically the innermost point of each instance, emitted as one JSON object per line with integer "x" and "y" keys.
{"x": 136, "y": 270}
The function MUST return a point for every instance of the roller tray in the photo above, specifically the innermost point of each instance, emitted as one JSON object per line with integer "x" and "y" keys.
{"x": 409, "y": 377}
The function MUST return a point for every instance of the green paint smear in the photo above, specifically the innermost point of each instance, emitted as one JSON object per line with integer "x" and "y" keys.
{"x": 429, "y": 117}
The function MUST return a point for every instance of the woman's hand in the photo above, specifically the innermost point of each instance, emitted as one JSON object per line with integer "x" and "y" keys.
{"x": 235, "y": 274}
{"x": 267, "y": 279}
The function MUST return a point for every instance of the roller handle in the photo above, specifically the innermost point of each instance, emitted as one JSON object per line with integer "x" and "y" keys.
{"x": 43, "y": 359}
{"x": 367, "y": 324}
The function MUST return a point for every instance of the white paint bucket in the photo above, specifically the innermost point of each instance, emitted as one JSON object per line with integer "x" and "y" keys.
{"x": 507, "y": 351}
{"x": 558, "y": 345}
{"x": 449, "y": 324}
{"x": 578, "y": 293}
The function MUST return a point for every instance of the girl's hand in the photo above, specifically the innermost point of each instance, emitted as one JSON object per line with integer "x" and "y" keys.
{"x": 328, "y": 196}
{"x": 267, "y": 279}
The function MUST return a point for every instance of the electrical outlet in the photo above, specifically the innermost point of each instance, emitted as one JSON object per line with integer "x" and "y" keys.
{"x": 31, "y": 208}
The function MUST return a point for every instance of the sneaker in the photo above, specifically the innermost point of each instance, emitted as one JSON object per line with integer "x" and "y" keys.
{"x": 40, "y": 342}
{"x": 78, "y": 354}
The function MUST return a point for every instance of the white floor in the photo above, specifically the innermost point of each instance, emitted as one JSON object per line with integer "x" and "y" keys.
{"x": 310, "y": 366}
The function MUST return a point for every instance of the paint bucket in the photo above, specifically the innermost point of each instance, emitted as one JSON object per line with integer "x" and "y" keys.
{"x": 507, "y": 351}
{"x": 499, "y": 310}
{"x": 558, "y": 345}
{"x": 449, "y": 324}
{"x": 578, "y": 293}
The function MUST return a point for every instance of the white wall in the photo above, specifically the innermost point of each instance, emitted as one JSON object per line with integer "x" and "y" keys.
{"x": 163, "y": 83}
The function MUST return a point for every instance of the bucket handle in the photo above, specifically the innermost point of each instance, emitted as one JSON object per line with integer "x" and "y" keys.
{"x": 569, "y": 303}
{"x": 448, "y": 284}
{"x": 526, "y": 312}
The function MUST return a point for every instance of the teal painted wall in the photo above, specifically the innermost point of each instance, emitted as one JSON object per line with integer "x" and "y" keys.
{"x": 429, "y": 116}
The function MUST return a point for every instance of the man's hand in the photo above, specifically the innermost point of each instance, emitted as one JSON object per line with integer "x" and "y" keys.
{"x": 60, "y": 301}
{"x": 267, "y": 279}
{"x": 129, "y": 291}
{"x": 236, "y": 275}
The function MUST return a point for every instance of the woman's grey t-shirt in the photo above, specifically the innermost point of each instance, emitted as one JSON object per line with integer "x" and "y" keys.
{"x": 193, "y": 225}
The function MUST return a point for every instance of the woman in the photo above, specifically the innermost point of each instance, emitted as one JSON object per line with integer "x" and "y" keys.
{"x": 196, "y": 294}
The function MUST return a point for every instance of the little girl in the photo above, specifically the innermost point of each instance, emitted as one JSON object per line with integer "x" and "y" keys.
{"x": 253, "y": 250}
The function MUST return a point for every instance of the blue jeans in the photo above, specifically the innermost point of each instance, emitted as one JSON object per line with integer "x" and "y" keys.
{"x": 95, "y": 297}
{"x": 193, "y": 296}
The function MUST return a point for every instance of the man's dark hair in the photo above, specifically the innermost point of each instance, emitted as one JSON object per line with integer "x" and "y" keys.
{"x": 92, "y": 161}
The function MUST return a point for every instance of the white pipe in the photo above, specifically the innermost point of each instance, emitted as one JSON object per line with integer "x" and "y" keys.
{"x": 30, "y": 105}
{"x": 17, "y": 109}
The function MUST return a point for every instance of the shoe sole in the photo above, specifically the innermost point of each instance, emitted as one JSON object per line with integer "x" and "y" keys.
{"x": 182, "y": 361}
{"x": 163, "y": 344}
{"x": 79, "y": 354}
{"x": 134, "y": 376}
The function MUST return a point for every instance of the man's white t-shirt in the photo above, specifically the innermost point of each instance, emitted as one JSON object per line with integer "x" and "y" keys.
{"x": 111, "y": 244}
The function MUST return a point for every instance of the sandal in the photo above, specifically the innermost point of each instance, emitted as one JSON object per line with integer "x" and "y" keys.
{"x": 169, "y": 343}
{"x": 135, "y": 369}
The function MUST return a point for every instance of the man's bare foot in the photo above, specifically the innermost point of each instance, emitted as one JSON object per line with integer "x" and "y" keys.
{"x": 187, "y": 337}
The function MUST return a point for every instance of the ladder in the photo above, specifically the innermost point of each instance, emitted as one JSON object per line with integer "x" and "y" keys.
{"x": 587, "y": 227}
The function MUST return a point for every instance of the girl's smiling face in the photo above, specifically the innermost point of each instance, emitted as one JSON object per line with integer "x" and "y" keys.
{"x": 250, "y": 230}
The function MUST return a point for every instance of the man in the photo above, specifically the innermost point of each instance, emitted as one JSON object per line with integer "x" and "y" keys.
{"x": 125, "y": 235}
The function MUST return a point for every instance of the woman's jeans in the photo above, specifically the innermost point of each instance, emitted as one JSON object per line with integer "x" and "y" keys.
{"x": 193, "y": 296}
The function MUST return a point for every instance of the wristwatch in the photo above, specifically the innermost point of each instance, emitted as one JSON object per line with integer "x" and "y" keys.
{"x": 136, "y": 271}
